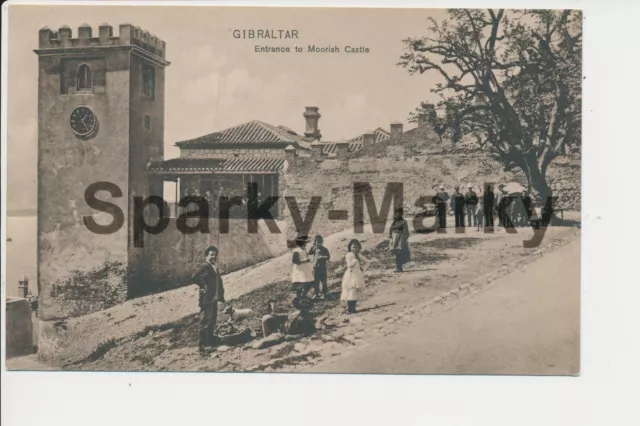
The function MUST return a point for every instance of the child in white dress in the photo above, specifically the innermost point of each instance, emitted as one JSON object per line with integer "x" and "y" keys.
{"x": 353, "y": 279}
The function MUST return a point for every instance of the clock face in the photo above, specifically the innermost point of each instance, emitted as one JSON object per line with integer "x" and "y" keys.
{"x": 83, "y": 121}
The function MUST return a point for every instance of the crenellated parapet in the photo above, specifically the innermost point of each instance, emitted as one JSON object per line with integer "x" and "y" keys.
{"x": 128, "y": 35}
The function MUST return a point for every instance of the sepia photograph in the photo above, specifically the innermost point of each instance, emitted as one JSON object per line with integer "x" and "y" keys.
{"x": 294, "y": 190}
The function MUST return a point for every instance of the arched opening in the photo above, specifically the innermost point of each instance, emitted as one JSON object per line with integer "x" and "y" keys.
{"x": 83, "y": 78}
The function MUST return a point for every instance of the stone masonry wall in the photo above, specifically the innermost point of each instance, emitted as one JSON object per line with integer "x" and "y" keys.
{"x": 171, "y": 257}
{"x": 420, "y": 169}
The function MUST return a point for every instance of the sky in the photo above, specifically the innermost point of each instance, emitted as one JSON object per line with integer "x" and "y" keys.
{"x": 216, "y": 81}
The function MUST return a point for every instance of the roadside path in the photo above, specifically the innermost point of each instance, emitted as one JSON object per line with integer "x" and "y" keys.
{"x": 527, "y": 322}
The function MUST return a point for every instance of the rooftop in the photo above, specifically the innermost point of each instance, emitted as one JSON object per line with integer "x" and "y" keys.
{"x": 251, "y": 133}
{"x": 357, "y": 142}
{"x": 232, "y": 165}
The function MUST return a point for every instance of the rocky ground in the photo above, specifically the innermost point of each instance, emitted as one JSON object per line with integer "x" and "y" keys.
{"x": 445, "y": 267}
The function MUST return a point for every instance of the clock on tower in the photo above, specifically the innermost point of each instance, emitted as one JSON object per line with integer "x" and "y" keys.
{"x": 100, "y": 119}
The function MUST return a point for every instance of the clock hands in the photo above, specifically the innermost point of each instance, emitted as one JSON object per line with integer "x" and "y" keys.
{"x": 83, "y": 121}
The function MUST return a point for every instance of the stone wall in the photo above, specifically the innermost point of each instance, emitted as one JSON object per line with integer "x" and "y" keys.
{"x": 171, "y": 257}
{"x": 18, "y": 327}
{"x": 80, "y": 271}
{"x": 419, "y": 168}
{"x": 564, "y": 178}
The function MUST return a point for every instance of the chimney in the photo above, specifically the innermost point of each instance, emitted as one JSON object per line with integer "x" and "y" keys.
{"x": 317, "y": 148}
{"x": 311, "y": 116}
{"x": 396, "y": 129}
{"x": 369, "y": 138}
{"x": 342, "y": 148}
{"x": 290, "y": 153}
{"x": 23, "y": 287}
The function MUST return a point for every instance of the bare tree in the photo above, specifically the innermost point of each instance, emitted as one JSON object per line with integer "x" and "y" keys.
{"x": 510, "y": 80}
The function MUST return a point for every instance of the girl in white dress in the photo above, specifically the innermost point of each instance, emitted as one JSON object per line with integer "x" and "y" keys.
{"x": 353, "y": 279}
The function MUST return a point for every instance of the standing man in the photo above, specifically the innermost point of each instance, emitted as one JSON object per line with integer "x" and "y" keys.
{"x": 488, "y": 199}
{"x": 471, "y": 204}
{"x": 499, "y": 204}
{"x": 320, "y": 256}
{"x": 528, "y": 207}
{"x": 440, "y": 200}
{"x": 211, "y": 292}
{"x": 302, "y": 271}
{"x": 457, "y": 205}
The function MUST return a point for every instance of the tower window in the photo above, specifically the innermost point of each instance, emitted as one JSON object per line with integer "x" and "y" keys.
{"x": 147, "y": 122}
{"x": 83, "y": 78}
{"x": 148, "y": 82}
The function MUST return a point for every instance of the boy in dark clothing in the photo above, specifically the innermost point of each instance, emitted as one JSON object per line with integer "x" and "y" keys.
{"x": 211, "y": 292}
{"x": 320, "y": 256}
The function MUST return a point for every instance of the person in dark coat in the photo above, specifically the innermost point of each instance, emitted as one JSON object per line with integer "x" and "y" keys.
{"x": 399, "y": 239}
{"x": 457, "y": 205}
{"x": 320, "y": 255}
{"x": 488, "y": 200}
{"x": 527, "y": 203}
{"x": 440, "y": 200}
{"x": 471, "y": 204}
{"x": 546, "y": 213}
{"x": 211, "y": 292}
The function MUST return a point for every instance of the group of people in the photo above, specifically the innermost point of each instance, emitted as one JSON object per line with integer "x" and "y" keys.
{"x": 309, "y": 271}
{"x": 481, "y": 209}
{"x": 310, "y": 266}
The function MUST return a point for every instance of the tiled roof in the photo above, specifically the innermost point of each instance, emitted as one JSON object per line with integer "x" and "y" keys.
{"x": 208, "y": 165}
{"x": 253, "y": 132}
{"x": 356, "y": 143}
{"x": 380, "y": 133}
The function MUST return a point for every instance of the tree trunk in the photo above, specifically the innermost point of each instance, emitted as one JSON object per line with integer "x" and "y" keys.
{"x": 538, "y": 187}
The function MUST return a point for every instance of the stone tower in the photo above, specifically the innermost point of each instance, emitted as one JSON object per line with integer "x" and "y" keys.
{"x": 100, "y": 119}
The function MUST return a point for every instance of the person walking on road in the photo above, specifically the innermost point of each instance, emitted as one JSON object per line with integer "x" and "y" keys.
{"x": 399, "y": 239}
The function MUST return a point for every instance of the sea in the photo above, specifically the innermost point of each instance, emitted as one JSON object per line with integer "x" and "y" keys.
{"x": 21, "y": 253}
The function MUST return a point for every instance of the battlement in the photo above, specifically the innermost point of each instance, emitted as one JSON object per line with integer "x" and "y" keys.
{"x": 129, "y": 35}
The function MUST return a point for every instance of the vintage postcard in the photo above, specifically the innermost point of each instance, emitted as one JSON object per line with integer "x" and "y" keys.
{"x": 278, "y": 189}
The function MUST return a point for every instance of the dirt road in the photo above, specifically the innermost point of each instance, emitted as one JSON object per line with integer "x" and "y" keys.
{"x": 446, "y": 268}
{"x": 527, "y": 322}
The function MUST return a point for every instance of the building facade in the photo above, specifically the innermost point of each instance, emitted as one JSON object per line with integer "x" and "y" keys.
{"x": 100, "y": 120}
